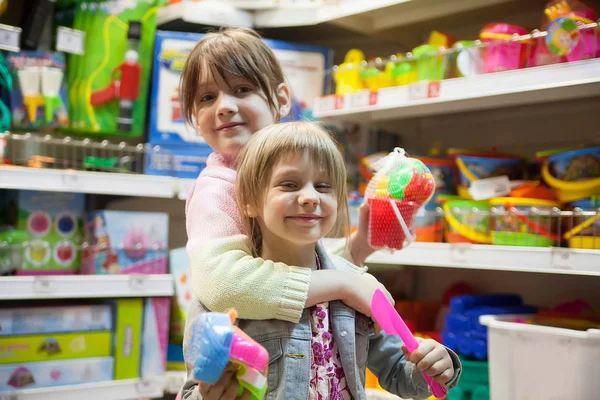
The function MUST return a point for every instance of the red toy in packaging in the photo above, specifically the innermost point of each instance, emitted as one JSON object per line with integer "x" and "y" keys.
{"x": 399, "y": 188}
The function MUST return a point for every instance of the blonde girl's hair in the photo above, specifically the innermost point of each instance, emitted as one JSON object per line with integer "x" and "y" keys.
{"x": 270, "y": 145}
{"x": 237, "y": 51}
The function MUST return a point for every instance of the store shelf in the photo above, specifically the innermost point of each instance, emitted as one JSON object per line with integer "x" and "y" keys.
{"x": 502, "y": 89}
{"x": 174, "y": 380}
{"x": 60, "y": 180}
{"x": 111, "y": 390}
{"x": 184, "y": 187}
{"x": 368, "y": 17}
{"x": 499, "y": 258}
{"x": 187, "y": 16}
{"x": 85, "y": 286}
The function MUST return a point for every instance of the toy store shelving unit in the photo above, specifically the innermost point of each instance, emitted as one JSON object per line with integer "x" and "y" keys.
{"x": 85, "y": 286}
{"x": 568, "y": 81}
{"x": 493, "y": 96}
{"x": 112, "y": 390}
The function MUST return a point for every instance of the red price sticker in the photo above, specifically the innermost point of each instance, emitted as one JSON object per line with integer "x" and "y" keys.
{"x": 339, "y": 102}
{"x": 434, "y": 89}
{"x": 373, "y": 98}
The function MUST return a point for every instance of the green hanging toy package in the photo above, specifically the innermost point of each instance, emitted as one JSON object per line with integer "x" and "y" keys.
{"x": 108, "y": 84}
{"x": 39, "y": 94}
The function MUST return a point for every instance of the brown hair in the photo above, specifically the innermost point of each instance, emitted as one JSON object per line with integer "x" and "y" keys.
{"x": 270, "y": 145}
{"x": 237, "y": 51}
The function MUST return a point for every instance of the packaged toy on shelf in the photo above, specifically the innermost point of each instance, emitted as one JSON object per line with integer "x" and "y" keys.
{"x": 54, "y": 224}
{"x": 502, "y": 52}
{"x": 108, "y": 85}
{"x": 126, "y": 242}
{"x": 215, "y": 342}
{"x": 399, "y": 188}
{"x": 33, "y": 375}
{"x": 524, "y": 222}
{"x": 42, "y": 320}
{"x": 566, "y": 33}
{"x": 584, "y": 229}
{"x": 179, "y": 266}
{"x": 574, "y": 175}
{"x": 39, "y": 93}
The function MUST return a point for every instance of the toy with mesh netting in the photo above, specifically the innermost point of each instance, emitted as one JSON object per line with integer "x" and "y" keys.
{"x": 399, "y": 188}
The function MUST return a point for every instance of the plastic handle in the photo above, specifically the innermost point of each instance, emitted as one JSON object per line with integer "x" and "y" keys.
{"x": 391, "y": 322}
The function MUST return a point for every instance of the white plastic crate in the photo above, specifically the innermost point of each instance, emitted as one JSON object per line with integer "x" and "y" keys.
{"x": 539, "y": 362}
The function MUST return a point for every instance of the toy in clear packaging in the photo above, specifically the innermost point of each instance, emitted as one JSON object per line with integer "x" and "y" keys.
{"x": 399, "y": 188}
{"x": 348, "y": 75}
{"x": 215, "y": 342}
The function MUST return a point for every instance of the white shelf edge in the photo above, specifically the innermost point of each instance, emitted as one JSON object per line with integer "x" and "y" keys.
{"x": 510, "y": 88}
{"x": 85, "y": 286}
{"x": 109, "y": 390}
{"x": 206, "y": 12}
{"x": 66, "y": 180}
{"x": 498, "y": 258}
{"x": 174, "y": 380}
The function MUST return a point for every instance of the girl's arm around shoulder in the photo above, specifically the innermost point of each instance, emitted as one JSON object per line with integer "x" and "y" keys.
{"x": 224, "y": 274}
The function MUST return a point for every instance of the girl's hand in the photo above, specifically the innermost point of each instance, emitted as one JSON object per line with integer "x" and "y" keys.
{"x": 358, "y": 292}
{"x": 226, "y": 387}
{"x": 432, "y": 358}
{"x": 360, "y": 248}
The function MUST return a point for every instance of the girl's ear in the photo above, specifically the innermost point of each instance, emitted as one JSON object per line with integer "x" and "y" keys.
{"x": 251, "y": 211}
{"x": 284, "y": 99}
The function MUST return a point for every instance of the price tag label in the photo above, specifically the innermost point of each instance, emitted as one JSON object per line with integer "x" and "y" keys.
{"x": 138, "y": 282}
{"x": 360, "y": 99}
{"x": 326, "y": 103}
{"x": 433, "y": 89}
{"x": 70, "y": 179}
{"x": 43, "y": 285}
{"x": 70, "y": 40}
{"x": 459, "y": 252}
{"x": 145, "y": 388}
{"x": 373, "y": 98}
{"x": 339, "y": 102}
{"x": 561, "y": 258}
{"x": 418, "y": 91}
{"x": 10, "y": 38}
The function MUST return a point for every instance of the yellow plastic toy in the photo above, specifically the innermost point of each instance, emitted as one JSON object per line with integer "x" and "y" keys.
{"x": 570, "y": 191}
{"x": 347, "y": 75}
{"x": 375, "y": 79}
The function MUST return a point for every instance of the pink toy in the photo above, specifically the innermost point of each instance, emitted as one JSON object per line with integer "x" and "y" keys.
{"x": 501, "y": 55}
{"x": 391, "y": 322}
{"x": 589, "y": 41}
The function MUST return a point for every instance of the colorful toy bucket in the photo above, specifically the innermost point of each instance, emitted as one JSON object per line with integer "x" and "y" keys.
{"x": 431, "y": 66}
{"x": 575, "y": 175}
{"x": 524, "y": 222}
{"x": 472, "y": 168}
{"x": 502, "y": 54}
{"x": 467, "y": 221}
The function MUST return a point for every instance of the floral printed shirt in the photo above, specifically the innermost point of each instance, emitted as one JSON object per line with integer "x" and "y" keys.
{"x": 327, "y": 380}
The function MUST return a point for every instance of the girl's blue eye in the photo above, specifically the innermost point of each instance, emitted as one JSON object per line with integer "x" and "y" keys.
{"x": 323, "y": 187}
{"x": 288, "y": 185}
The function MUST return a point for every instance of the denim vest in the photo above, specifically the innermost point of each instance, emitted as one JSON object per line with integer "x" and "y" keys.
{"x": 289, "y": 347}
